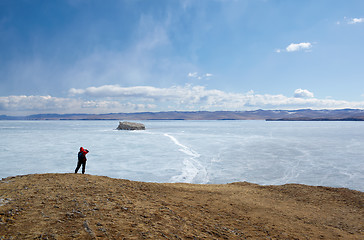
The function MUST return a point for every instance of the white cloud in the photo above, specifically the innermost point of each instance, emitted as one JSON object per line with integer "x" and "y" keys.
{"x": 198, "y": 76}
{"x": 20, "y": 105}
{"x": 303, "y": 93}
{"x": 145, "y": 92}
{"x": 191, "y": 97}
{"x": 355, "y": 20}
{"x": 293, "y": 47}
{"x": 194, "y": 74}
{"x": 23, "y": 102}
{"x": 114, "y": 98}
{"x": 351, "y": 20}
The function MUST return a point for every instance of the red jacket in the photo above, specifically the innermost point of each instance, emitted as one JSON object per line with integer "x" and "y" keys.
{"x": 83, "y": 155}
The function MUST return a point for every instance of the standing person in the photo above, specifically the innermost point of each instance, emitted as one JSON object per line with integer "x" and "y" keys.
{"x": 81, "y": 160}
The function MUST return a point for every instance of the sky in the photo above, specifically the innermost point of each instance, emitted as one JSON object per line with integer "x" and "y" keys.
{"x": 93, "y": 56}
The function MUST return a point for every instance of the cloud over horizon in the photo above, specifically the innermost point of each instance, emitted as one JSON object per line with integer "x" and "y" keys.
{"x": 303, "y": 93}
{"x": 24, "y": 105}
{"x": 114, "y": 98}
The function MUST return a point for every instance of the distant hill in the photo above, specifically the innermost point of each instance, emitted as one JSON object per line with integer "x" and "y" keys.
{"x": 270, "y": 115}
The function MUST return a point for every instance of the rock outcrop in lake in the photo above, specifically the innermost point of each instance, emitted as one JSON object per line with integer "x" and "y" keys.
{"x": 130, "y": 126}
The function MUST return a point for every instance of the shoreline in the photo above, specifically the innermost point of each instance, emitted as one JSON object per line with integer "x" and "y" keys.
{"x": 67, "y": 205}
{"x": 353, "y": 114}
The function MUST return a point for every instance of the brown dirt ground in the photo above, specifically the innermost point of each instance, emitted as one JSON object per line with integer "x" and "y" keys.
{"x": 76, "y": 206}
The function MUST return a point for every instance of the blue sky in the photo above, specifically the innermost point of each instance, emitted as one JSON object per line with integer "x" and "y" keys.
{"x": 81, "y": 56}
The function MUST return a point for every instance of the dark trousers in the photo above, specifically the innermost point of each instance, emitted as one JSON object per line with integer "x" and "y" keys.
{"x": 79, "y": 163}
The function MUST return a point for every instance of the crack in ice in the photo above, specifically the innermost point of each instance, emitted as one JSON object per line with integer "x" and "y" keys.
{"x": 193, "y": 170}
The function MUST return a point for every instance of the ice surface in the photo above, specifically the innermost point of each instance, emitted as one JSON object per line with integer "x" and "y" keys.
{"x": 314, "y": 153}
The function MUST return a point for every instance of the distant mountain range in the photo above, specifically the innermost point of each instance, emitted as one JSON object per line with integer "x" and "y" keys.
{"x": 269, "y": 115}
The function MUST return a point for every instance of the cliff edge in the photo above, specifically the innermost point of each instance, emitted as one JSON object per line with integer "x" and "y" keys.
{"x": 76, "y": 206}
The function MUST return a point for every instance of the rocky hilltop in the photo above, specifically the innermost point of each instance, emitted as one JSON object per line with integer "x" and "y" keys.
{"x": 81, "y": 206}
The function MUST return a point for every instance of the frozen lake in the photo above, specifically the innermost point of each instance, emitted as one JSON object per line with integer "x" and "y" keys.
{"x": 313, "y": 153}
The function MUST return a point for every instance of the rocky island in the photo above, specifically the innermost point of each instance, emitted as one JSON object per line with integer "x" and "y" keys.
{"x": 82, "y": 206}
{"x": 130, "y": 126}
